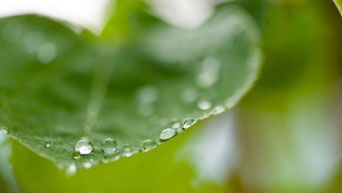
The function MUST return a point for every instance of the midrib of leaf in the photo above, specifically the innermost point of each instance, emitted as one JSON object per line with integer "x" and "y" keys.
{"x": 98, "y": 92}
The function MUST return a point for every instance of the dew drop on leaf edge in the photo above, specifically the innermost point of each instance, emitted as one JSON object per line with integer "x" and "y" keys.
{"x": 109, "y": 146}
{"x": 4, "y": 129}
{"x": 147, "y": 145}
{"x": 84, "y": 146}
{"x": 188, "y": 123}
{"x": 167, "y": 134}
{"x": 127, "y": 150}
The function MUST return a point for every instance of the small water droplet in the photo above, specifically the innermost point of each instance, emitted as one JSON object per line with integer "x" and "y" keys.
{"x": 208, "y": 74}
{"x": 86, "y": 164}
{"x": 109, "y": 146}
{"x": 127, "y": 150}
{"x": 47, "y": 145}
{"x": 188, "y": 123}
{"x": 167, "y": 134}
{"x": 47, "y": 53}
{"x": 204, "y": 104}
{"x": 4, "y": 129}
{"x": 112, "y": 156}
{"x": 84, "y": 146}
{"x": 147, "y": 94}
{"x": 218, "y": 110}
{"x": 76, "y": 155}
{"x": 189, "y": 95}
{"x": 147, "y": 145}
{"x": 71, "y": 169}
{"x": 145, "y": 110}
{"x": 176, "y": 125}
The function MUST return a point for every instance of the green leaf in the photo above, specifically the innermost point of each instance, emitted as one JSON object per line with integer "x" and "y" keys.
{"x": 339, "y": 5}
{"x": 57, "y": 87}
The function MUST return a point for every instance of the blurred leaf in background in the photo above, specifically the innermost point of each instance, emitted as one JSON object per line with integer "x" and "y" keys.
{"x": 290, "y": 127}
{"x": 339, "y": 5}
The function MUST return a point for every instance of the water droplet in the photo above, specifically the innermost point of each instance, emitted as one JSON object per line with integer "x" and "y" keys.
{"x": 76, "y": 155}
{"x": 46, "y": 53}
{"x": 127, "y": 150}
{"x": 47, "y": 145}
{"x": 71, "y": 169}
{"x": 112, "y": 156}
{"x": 208, "y": 74}
{"x": 188, "y": 123}
{"x": 109, "y": 146}
{"x": 145, "y": 109}
{"x": 4, "y": 129}
{"x": 189, "y": 95}
{"x": 147, "y": 94}
{"x": 86, "y": 164}
{"x": 176, "y": 125}
{"x": 204, "y": 104}
{"x": 218, "y": 110}
{"x": 147, "y": 145}
{"x": 84, "y": 146}
{"x": 167, "y": 134}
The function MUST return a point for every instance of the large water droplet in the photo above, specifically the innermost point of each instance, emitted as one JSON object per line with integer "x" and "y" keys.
{"x": 109, "y": 146}
{"x": 167, "y": 134}
{"x": 188, "y": 123}
{"x": 4, "y": 129}
{"x": 208, "y": 74}
{"x": 84, "y": 146}
{"x": 204, "y": 104}
{"x": 147, "y": 145}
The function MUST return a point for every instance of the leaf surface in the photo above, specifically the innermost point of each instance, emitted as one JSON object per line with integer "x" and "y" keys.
{"x": 57, "y": 87}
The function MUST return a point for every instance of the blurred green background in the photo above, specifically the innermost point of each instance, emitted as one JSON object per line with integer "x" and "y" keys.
{"x": 283, "y": 137}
